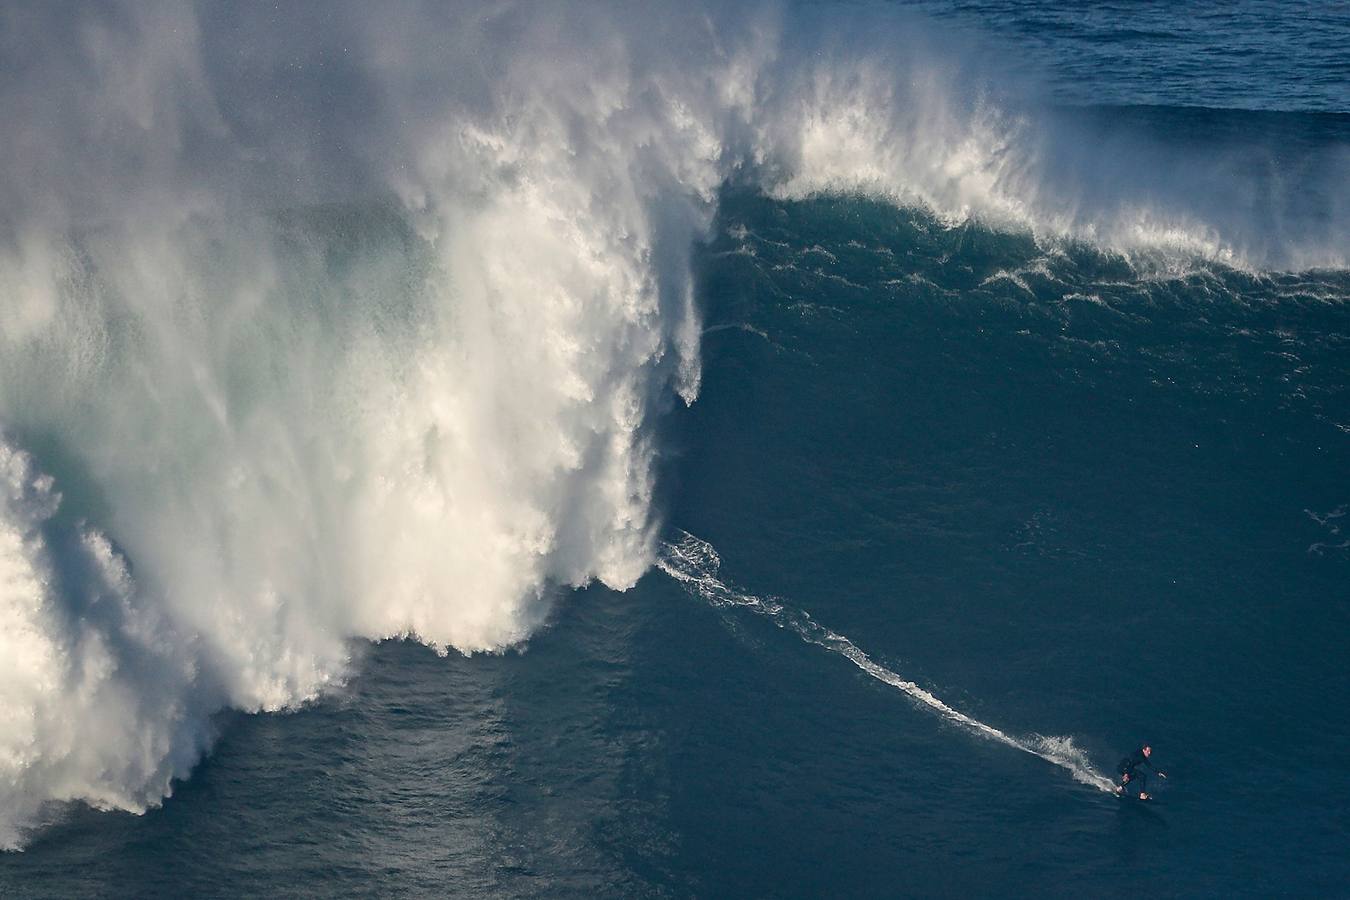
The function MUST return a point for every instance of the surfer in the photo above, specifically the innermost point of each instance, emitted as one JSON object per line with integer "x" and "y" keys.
{"x": 1130, "y": 770}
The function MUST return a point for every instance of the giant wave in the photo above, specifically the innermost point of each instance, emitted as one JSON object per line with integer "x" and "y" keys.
{"x": 356, "y": 326}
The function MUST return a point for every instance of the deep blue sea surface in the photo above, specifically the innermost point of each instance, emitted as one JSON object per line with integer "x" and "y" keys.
{"x": 1256, "y": 55}
{"x": 1081, "y": 495}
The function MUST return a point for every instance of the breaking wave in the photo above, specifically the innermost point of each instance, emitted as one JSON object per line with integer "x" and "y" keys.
{"x": 317, "y": 328}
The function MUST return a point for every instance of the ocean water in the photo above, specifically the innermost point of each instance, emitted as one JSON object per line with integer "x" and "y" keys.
{"x": 770, "y": 450}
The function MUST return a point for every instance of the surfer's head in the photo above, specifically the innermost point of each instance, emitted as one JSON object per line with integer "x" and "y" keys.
{"x": 1147, "y": 750}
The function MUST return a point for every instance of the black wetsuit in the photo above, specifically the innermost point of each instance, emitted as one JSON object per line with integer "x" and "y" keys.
{"x": 1132, "y": 766}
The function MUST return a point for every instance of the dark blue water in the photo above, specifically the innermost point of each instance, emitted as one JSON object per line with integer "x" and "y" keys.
{"x": 1253, "y": 55}
{"x": 1071, "y": 493}
{"x": 1065, "y": 501}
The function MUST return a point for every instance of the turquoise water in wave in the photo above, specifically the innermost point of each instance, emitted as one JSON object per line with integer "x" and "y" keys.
{"x": 1082, "y": 498}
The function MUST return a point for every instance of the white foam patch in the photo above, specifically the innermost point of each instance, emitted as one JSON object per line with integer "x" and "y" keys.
{"x": 695, "y": 564}
{"x": 95, "y": 694}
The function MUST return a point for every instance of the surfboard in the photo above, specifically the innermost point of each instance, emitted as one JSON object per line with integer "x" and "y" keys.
{"x": 1135, "y": 798}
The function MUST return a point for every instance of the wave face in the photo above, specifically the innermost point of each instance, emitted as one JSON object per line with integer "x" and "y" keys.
{"x": 358, "y": 326}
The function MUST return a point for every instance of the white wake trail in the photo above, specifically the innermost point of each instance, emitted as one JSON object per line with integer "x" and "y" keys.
{"x": 695, "y": 563}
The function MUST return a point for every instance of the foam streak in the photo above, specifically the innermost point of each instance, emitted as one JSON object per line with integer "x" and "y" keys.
{"x": 694, "y": 563}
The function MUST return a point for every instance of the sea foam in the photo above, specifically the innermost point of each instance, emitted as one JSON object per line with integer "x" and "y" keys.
{"x": 695, "y": 564}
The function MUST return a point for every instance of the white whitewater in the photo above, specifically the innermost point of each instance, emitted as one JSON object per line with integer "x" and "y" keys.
{"x": 695, "y": 563}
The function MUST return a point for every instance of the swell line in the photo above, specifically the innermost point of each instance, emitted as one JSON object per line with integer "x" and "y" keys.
{"x": 694, "y": 563}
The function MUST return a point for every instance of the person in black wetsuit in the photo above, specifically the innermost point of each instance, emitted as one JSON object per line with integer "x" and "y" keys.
{"x": 1131, "y": 772}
